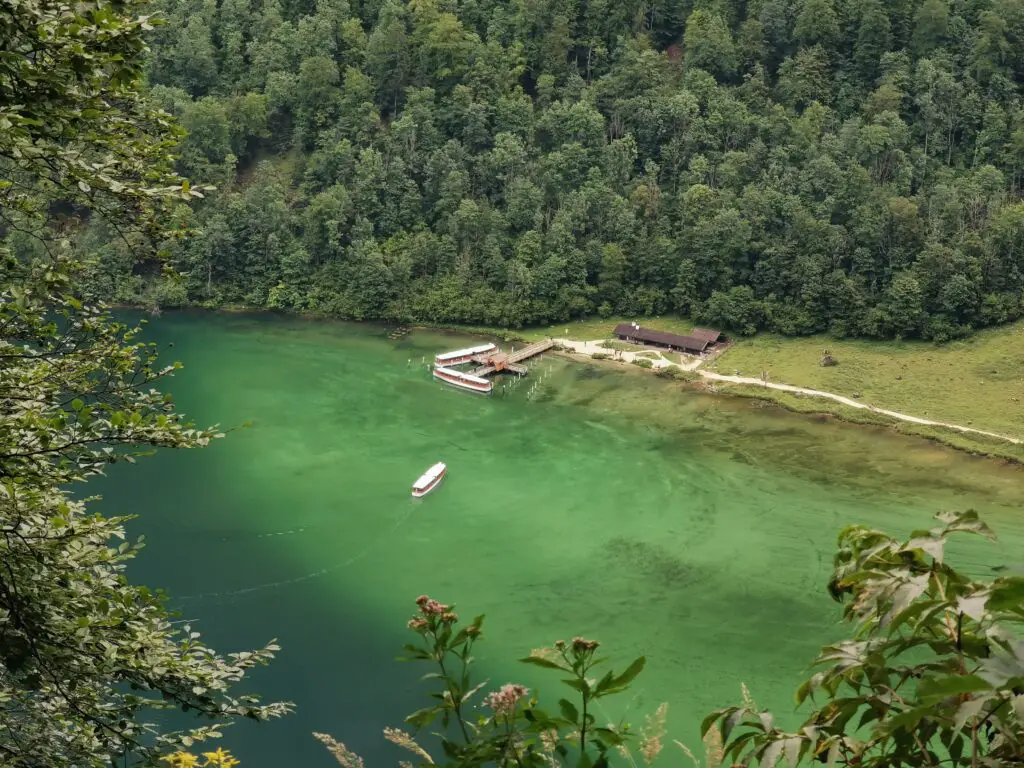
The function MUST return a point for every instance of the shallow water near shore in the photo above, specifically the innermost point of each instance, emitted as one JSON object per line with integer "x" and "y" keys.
{"x": 583, "y": 500}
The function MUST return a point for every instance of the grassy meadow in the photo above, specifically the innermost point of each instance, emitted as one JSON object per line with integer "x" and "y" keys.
{"x": 977, "y": 382}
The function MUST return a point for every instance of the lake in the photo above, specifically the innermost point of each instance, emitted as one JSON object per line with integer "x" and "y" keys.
{"x": 586, "y": 500}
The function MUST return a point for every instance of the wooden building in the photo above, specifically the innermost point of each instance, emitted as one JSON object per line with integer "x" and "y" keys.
{"x": 634, "y": 333}
{"x": 710, "y": 336}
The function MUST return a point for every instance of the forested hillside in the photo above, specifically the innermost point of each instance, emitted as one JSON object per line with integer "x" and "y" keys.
{"x": 799, "y": 165}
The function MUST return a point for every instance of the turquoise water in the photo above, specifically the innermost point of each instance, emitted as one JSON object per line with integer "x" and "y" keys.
{"x": 693, "y": 529}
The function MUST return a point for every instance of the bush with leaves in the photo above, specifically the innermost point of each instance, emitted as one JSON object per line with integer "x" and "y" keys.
{"x": 84, "y": 652}
{"x": 508, "y": 726}
{"x": 85, "y": 655}
{"x": 933, "y": 676}
{"x": 675, "y": 372}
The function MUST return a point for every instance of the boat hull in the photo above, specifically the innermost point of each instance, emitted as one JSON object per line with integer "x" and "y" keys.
{"x": 464, "y": 381}
{"x": 419, "y": 493}
{"x": 461, "y": 356}
{"x": 453, "y": 360}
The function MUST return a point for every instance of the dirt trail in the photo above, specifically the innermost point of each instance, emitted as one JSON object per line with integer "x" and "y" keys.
{"x": 693, "y": 364}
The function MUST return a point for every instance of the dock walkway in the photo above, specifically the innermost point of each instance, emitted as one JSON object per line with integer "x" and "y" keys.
{"x": 492, "y": 362}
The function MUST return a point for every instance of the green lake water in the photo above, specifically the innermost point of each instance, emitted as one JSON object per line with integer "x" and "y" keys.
{"x": 694, "y": 529}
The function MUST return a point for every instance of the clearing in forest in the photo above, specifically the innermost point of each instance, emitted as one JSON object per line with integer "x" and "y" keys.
{"x": 977, "y": 382}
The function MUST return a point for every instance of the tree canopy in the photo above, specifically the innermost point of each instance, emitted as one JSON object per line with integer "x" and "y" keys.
{"x": 798, "y": 165}
{"x": 85, "y": 655}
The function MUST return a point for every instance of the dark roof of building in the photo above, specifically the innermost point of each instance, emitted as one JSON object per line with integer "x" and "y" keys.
{"x": 707, "y": 334}
{"x": 660, "y": 337}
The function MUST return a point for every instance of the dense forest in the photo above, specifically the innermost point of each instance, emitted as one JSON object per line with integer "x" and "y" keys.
{"x": 798, "y": 165}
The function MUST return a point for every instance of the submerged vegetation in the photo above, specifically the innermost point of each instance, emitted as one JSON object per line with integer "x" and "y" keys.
{"x": 851, "y": 166}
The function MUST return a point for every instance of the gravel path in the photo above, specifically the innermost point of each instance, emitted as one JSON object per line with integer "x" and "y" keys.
{"x": 690, "y": 363}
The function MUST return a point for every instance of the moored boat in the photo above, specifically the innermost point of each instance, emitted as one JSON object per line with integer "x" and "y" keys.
{"x": 429, "y": 480}
{"x": 464, "y": 380}
{"x": 460, "y": 356}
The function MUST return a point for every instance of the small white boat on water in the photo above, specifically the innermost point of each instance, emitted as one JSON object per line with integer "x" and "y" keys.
{"x": 460, "y": 356}
{"x": 464, "y": 380}
{"x": 429, "y": 480}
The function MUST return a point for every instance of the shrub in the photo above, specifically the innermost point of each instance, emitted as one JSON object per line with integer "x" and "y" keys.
{"x": 643, "y": 362}
{"x": 506, "y": 726}
{"x": 601, "y": 356}
{"x": 677, "y": 373}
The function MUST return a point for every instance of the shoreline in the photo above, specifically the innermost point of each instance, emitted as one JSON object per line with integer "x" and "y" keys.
{"x": 828, "y": 406}
{"x": 787, "y": 397}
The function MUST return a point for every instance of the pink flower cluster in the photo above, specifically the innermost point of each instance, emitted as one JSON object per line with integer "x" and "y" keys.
{"x": 503, "y": 701}
{"x": 430, "y": 608}
{"x": 581, "y": 644}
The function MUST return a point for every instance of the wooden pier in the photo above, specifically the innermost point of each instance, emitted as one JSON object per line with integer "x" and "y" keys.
{"x": 497, "y": 361}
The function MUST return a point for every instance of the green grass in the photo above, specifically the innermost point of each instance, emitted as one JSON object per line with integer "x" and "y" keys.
{"x": 977, "y": 444}
{"x": 623, "y": 346}
{"x": 977, "y": 382}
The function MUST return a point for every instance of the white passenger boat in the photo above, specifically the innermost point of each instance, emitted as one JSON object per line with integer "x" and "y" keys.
{"x": 464, "y": 380}
{"x": 429, "y": 480}
{"x": 460, "y": 356}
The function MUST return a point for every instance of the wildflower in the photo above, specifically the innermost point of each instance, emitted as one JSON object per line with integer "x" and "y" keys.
{"x": 748, "y": 700}
{"x": 433, "y": 608}
{"x": 581, "y": 644}
{"x": 450, "y": 616}
{"x": 345, "y": 757}
{"x": 559, "y": 645}
{"x": 181, "y": 760}
{"x": 689, "y": 754}
{"x": 503, "y": 701}
{"x": 422, "y": 600}
{"x": 417, "y": 623}
{"x": 652, "y": 733}
{"x": 473, "y": 630}
{"x": 220, "y": 759}
{"x": 714, "y": 751}
{"x": 405, "y": 741}
{"x": 548, "y": 741}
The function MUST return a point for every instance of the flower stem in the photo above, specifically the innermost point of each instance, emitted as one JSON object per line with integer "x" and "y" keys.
{"x": 456, "y": 701}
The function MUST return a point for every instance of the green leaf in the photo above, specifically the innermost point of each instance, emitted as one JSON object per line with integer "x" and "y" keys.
{"x": 451, "y": 749}
{"x": 934, "y": 689}
{"x": 710, "y": 720}
{"x": 537, "y": 661}
{"x": 833, "y": 754}
{"x": 580, "y": 685}
{"x": 771, "y": 754}
{"x": 631, "y": 672}
{"x": 970, "y": 708}
{"x": 609, "y": 737}
{"x": 605, "y": 683}
{"x": 731, "y": 721}
{"x": 1007, "y": 594}
{"x": 568, "y": 710}
{"x": 422, "y": 717}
